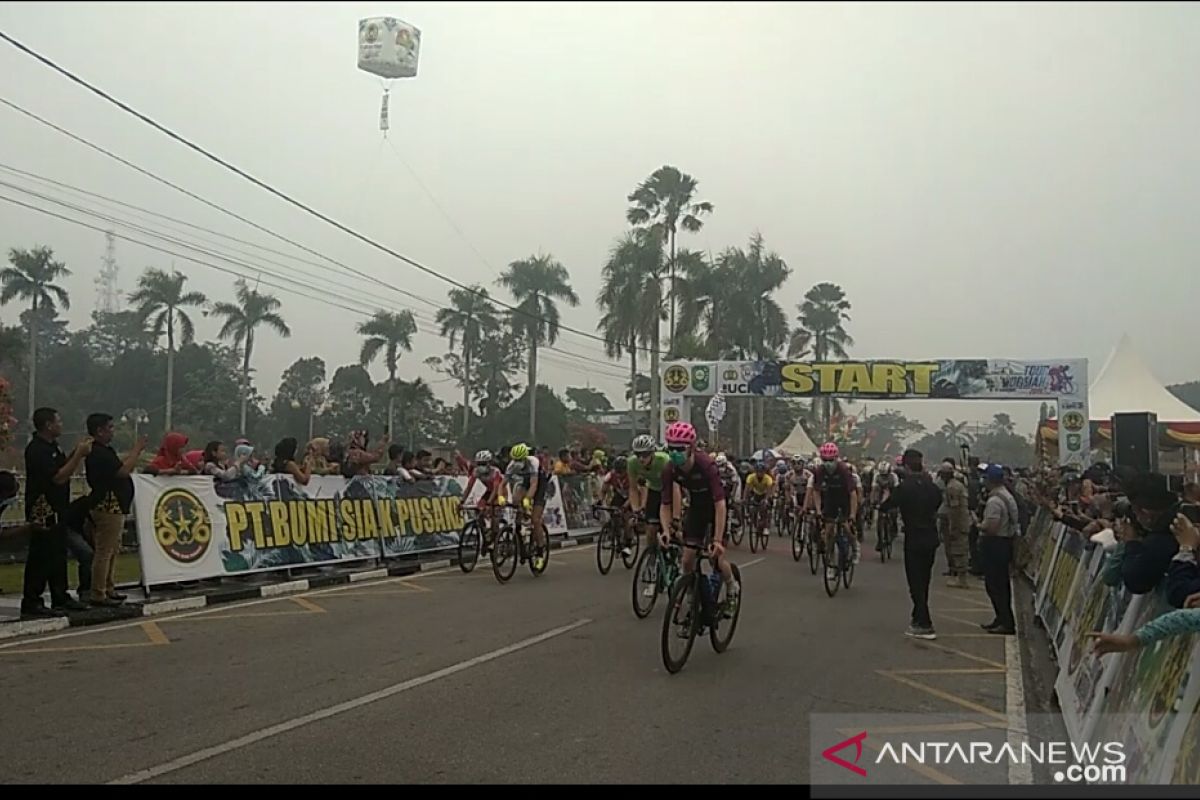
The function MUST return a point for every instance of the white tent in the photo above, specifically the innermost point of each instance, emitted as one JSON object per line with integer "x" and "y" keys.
{"x": 797, "y": 443}
{"x": 1125, "y": 383}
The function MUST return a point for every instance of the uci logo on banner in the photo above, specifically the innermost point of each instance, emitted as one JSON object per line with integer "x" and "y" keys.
{"x": 182, "y": 526}
{"x": 676, "y": 379}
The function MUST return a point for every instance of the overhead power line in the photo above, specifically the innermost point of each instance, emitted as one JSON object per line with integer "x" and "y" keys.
{"x": 280, "y": 194}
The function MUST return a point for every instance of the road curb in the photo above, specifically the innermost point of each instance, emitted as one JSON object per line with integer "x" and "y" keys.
{"x": 32, "y": 627}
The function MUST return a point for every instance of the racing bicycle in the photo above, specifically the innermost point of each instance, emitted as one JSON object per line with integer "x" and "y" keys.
{"x": 514, "y": 545}
{"x": 698, "y": 602}
{"x": 841, "y": 561}
{"x": 612, "y": 538}
{"x": 656, "y": 572}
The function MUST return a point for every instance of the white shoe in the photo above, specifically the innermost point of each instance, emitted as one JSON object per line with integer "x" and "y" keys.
{"x": 648, "y": 591}
{"x": 857, "y": 556}
{"x": 626, "y": 551}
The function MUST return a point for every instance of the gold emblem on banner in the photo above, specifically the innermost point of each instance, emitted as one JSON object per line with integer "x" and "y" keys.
{"x": 182, "y": 525}
{"x": 676, "y": 378}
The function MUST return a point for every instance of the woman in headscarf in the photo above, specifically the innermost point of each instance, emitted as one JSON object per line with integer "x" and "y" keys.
{"x": 358, "y": 458}
{"x": 194, "y": 459}
{"x": 243, "y": 456}
{"x": 285, "y": 462}
{"x": 215, "y": 463}
{"x": 169, "y": 460}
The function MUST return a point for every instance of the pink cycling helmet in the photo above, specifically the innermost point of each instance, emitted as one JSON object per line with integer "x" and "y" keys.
{"x": 829, "y": 451}
{"x": 681, "y": 433}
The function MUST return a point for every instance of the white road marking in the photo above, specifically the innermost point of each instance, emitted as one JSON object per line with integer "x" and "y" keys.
{"x": 170, "y": 606}
{"x": 1019, "y": 772}
{"x": 752, "y": 563}
{"x": 340, "y": 708}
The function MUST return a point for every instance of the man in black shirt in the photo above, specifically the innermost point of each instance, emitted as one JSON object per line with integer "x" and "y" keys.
{"x": 109, "y": 502}
{"x": 48, "y": 472}
{"x": 918, "y": 499}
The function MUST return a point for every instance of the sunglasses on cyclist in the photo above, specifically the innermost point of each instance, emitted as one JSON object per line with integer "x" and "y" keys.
{"x": 677, "y": 448}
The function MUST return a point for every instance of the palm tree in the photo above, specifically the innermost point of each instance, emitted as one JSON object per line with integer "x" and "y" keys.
{"x": 822, "y": 330}
{"x": 756, "y": 323}
{"x": 955, "y": 432}
{"x": 664, "y": 203}
{"x": 252, "y": 310}
{"x": 536, "y": 282}
{"x": 414, "y": 396}
{"x": 631, "y": 299}
{"x": 160, "y": 300}
{"x": 389, "y": 333}
{"x": 1002, "y": 423}
{"x": 470, "y": 317}
{"x": 31, "y": 278}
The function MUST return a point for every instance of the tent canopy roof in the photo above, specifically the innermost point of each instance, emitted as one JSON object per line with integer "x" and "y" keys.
{"x": 797, "y": 443}
{"x": 1125, "y": 383}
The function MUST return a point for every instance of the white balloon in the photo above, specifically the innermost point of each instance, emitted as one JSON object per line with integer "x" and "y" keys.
{"x": 388, "y": 47}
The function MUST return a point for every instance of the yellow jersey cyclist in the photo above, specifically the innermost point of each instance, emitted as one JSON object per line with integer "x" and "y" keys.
{"x": 695, "y": 473}
{"x": 834, "y": 497}
{"x": 531, "y": 478}
{"x": 645, "y": 469}
{"x": 760, "y": 488}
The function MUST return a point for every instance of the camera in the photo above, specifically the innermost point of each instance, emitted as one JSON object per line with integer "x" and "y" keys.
{"x": 1191, "y": 511}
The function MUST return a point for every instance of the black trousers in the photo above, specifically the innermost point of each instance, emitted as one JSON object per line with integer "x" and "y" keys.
{"x": 918, "y": 569}
{"x": 973, "y": 545}
{"x": 995, "y": 555}
{"x": 46, "y": 564}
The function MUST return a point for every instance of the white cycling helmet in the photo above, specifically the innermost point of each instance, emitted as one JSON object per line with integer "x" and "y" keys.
{"x": 643, "y": 444}
{"x": 722, "y": 460}
{"x": 484, "y": 457}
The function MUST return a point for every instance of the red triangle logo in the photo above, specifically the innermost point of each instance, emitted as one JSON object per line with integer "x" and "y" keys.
{"x": 857, "y": 741}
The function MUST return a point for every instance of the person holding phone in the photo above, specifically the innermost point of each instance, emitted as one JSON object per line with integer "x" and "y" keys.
{"x": 1183, "y": 575}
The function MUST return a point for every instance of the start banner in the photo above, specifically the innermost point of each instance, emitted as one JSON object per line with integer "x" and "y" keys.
{"x": 190, "y": 528}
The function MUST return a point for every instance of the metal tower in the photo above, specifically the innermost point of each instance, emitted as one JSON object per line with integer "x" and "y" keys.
{"x": 107, "y": 293}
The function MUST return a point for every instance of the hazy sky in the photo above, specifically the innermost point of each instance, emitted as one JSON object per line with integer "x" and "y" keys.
{"x": 1010, "y": 180}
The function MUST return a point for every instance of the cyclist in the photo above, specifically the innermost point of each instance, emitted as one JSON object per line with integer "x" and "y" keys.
{"x": 645, "y": 469}
{"x": 531, "y": 478}
{"x": 696, "y": 474}
{"x": 485, "y": 472}
{"x": 760, "y": 489}
{"x": 616, "y": 493}
{"x": 833, "y": 496}
{"x": 797, "y": 483}
{"x": 859, "y": 495}
{"x": 729, "y": 476}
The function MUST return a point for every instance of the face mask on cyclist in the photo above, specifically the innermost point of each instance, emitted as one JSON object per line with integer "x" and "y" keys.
{"x": 678, "y": 456}
{"x": 830, "y": 466}
{"x": 482, "y": 471}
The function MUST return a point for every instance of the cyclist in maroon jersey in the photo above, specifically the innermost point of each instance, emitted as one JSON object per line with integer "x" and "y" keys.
{"x": 694, "y": 472}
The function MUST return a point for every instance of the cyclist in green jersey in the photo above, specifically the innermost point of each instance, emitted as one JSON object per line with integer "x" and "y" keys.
{"x": 645, "y": 470}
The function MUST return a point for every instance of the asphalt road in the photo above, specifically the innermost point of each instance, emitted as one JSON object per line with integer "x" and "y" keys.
{"x": 450, "y": 678}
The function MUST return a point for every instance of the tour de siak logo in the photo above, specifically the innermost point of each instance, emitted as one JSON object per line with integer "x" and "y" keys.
{"x": 182, "y": 525}
{"x": 701, "y": 377}
{"x": 676, "y": 378}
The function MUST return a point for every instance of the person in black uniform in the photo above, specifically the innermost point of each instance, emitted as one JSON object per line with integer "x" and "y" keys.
{"x": 918, "y": 498}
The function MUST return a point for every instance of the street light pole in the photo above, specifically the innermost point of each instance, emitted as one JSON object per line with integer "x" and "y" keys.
{"x": 136, "y": 416}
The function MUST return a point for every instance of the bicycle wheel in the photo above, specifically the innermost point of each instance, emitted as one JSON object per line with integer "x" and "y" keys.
{"x": 797, "y": 540}
{"x": 754, "y": 534}
{"x": 605, "y": 549}
{"x": 831, "y": 572}
{"x": 721, "y": 633}
{"x": 845, "y": 555}
{"x": 645, "y": 584}
{"x": 763, "y": 535}
{"x": 681, "y": 622}
{"x": 738, "y": 531}
{"x": 545, "y": 553}
{"x": 631, "y": 559}
{"x": 469, "y": 542}
{"x": 884, "y": 534}
{"x": 504, "y": 554}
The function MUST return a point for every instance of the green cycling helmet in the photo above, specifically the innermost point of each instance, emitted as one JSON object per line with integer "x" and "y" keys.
{"x": 519, "y": 452}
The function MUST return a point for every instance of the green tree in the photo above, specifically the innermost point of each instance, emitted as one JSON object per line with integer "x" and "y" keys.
{"x": 112, "y": 333}
{"x": 388, "y": 333}
{"x": 417, "y": 407}
{"x": 470, "y": 318}
{"x": 885, "y": 433}
{"x": 242, "y": 319}
{"x": 630, "y": 300}
{"x": 536, "y": 283}
{"x": 160, "y": 301}
{"x": 587, "y": 400}
{"x": 822, "y": 332}
{"x": 664, "y": 203}
{"x": 1002, "y": 423}
{"x": 300, "y": 396}
{"x": 31, "y": 277}
{"x": 956, "y": 432}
